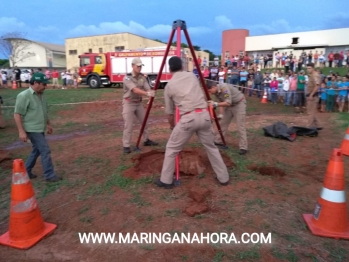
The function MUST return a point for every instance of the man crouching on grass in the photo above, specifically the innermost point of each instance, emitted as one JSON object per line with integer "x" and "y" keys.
{"x": 32, "y": 121}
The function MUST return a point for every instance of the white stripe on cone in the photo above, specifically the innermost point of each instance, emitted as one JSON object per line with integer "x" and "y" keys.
{"x": 20, "y": 178}
{"x": 333, "y": 195}
{"x": 346, "y": 137}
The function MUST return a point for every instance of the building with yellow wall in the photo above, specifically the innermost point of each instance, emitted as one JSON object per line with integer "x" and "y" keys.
{"x": 111, "y": 43}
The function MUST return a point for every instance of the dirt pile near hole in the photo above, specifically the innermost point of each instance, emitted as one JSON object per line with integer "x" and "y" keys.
{"x": 199, "y": 204}
{"x": 193, "y": 162}
{"x": 267, "y": 170}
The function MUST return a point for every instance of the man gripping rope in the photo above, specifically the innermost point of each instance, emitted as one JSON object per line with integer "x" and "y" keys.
{"x": 135, "y": 86}
{"x": 232, "y": 105}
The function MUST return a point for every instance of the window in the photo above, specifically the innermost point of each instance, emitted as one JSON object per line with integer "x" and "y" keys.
{"x": 73, "y": 52}
{"x": 294, "y": 40}
{"x": 119, "y": 48}
{"x": 98, "y": 60}
{"x": 101, "y": 50}
{"x": 90, "y": 50}
{"x": 84, "y": 61}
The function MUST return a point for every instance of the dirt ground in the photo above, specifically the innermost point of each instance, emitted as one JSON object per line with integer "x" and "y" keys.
{"x": 105, "y": 191}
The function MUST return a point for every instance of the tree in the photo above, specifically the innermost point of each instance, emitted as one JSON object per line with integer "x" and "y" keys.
{"x": 3, "y": 62}
{"x": 197, "y": 48}
{"x": 14, "y": 46}
{"x": 183, "y": 45}
{"x": 159, "y": 41}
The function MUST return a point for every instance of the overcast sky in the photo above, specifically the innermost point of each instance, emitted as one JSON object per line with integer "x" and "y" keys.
{"x": 53, "y": 21}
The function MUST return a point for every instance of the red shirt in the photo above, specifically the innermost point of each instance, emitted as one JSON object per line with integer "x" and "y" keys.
{"x": 54, "y": 74}
{"x": 330, "y": 57}
{"x": 199, "y": 61}
{"x": 274, "y": 84}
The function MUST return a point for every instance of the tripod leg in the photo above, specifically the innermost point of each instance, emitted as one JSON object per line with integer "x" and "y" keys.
{"x": 157, "y": 83}
{"x": 178, "y": 53}
{"x": 204, "y": 85}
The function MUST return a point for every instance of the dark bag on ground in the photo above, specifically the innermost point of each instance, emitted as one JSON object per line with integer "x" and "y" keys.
{"x": 280, "y": 130}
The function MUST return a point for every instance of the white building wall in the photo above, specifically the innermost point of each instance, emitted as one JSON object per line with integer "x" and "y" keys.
{"x": 39, "y": 60}
{"x": 333, "y": 37}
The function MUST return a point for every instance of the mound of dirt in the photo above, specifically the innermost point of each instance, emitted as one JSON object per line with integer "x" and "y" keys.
{"x": 198, "y": 194}
{"x": 198, "y": 205}
{"x": 196, "y": 209}
{"x": 193, "y": 162}
{"x": 267, "y": 170}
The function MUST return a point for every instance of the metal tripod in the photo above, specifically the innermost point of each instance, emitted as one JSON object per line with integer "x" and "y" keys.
{"x": 178, "y": 26}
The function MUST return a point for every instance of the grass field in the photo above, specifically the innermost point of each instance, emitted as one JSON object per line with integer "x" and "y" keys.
{"x": 97, "y": 193}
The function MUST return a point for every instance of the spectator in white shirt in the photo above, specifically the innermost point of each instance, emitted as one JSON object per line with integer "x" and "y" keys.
{"x": 286, "y": 88}
{"x": 64, "y": 86}
{"x": 69, "y": 79}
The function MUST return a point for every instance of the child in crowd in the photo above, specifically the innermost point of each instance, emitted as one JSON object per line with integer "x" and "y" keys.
{"x": 323, "y": 96}
{"x": 330, "y": 95}
{"x": 342, "y": 94}
{"x": 281, "y": 94}
{"x": 221, "y": 75}
{"x": 267, "y": 81}
{"x": 274, "y": 90}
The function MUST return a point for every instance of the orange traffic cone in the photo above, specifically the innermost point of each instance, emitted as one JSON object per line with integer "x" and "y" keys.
{"x": 265, "y": 98}
{"x": 26, "y": 224}
{"x": 330, "y": 218}
{"x": 345, "y": 144}
{"x": 14, "y": 84}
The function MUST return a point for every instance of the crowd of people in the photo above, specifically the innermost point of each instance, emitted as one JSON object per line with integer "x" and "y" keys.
{"x": 281, "y": 86}
{"x": 22, "y": 77}
{"x": 289, "y": 61}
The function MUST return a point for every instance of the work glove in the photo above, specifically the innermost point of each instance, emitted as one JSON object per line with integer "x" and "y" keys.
{"x": 220, "y": 116}
{"x": 214, "y": 104}
{"x": 151, "y": 93}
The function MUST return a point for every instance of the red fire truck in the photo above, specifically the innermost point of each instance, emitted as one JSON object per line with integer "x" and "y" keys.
{"x": 110, "y": 68}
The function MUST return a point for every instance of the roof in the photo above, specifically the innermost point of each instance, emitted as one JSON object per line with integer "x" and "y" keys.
{"x": 114, "y": 34}
{"x": 51, "y": 47}
{"x": 298, "y": 32}
{"x": 300, "y": 46}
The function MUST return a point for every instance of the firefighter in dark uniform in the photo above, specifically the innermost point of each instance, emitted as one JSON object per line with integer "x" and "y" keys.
{"x": 135, "y": 86}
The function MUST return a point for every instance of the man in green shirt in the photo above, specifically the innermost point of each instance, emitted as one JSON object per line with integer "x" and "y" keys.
{"x": 300, "y": 91}
{"x": 32, "y": 122}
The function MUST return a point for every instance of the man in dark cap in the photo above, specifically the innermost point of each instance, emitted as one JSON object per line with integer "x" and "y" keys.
{"x": 32, "y": 121}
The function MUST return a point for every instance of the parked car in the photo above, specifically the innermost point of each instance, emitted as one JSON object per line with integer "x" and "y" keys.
{"x": 25, "y": 75}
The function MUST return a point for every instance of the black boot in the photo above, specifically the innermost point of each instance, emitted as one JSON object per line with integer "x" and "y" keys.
{"x": 150, "y": 143}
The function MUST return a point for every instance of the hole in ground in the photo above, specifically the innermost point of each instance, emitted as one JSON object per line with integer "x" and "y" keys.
{"x": 193, "y": 162}
{"x": 267, "y": 170}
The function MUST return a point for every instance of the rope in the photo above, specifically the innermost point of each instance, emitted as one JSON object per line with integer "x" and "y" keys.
{"x": 76, "y": 103}
{"x": 262, "y": 87}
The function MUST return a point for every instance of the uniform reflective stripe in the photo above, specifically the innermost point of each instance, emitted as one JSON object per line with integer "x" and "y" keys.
{"x": 346, "y": 137}
{"x": 333, "y": 195}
